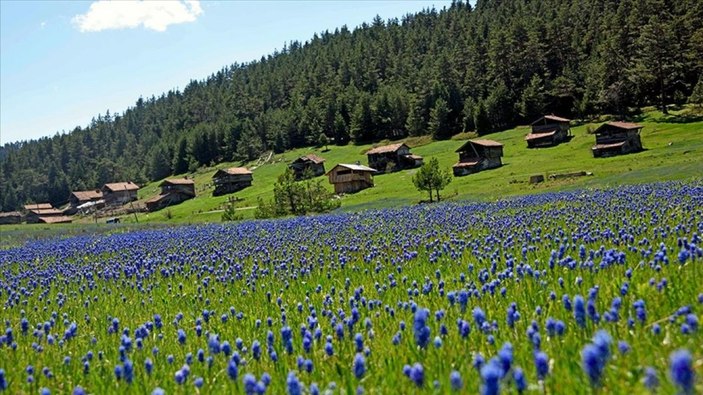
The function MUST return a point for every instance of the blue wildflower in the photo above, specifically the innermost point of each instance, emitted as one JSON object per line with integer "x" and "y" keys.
{"x": 455, "y": 381}
{"x": 681, "y": 370}
{"x": 359, "y": 366}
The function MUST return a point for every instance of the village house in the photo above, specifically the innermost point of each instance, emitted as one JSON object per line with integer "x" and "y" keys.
{"x": 477, "y": 155}
{"x": 617, "y": 138}
{"x": 231, "y": 180}
{"x": 40, "y": 215}
{"x": 10, "y": 218}
{"x": 392, "y": 157}
{"x": 547, "y": 131}
{"x": 119, "y": 193}
{"x": 81, "y": 200}
{"x": 308, "y": 164}
{"x": 173, "y": 191}
{"x": 350, "y": 178}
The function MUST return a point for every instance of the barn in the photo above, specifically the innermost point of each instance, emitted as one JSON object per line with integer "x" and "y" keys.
{"x": 617, "y": 138}
{"x": 11, "y": 217}
{"x": 392, "y": 157}
{"x": 547, "y": 131}
{"x": 173, "y": 191}
{"x": 35, "y": 216}
{"x": 477, "y": 155}
{"x": 348, "y": 178}
{"x": 84, "y": 199}
{"x": 118, "y": 193}
{"x": 308, "y": 164}
{"x": 231, "y": 180}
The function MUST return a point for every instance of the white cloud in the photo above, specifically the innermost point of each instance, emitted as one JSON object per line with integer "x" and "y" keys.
{"x": 42, "y": 25}
{"x": 154, "y": 15}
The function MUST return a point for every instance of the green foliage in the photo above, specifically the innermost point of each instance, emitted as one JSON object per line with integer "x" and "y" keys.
{"x": 231, "y": 213}
{"x": 431, "y": 178}
{"x": 697, "y": 95}
{"x": 291, "y": 197}
{"x": 439, "y": 120}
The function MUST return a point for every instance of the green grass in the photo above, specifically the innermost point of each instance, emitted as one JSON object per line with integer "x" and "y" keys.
{"x": 673, "y": 150}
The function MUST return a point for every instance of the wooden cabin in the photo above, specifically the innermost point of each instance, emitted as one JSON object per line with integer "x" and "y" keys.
{"x": 10, "y": 218}
{"x": 350, "y": 178}
{"x": 477, "y": 155}
{"x": 35, "y": 216}
{"x": 118, "y": 193}
{"x": 617, "y": 138}
{"x": 547, "y": 131}
{"x": 392, "y": 157}
{"x": 231, "y": 180}
{"x": 173, "y": 191}
{"x": 308, "y": 164}
{"x": 83, "y": 199}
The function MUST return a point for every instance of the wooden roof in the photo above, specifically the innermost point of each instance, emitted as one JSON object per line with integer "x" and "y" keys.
{"x": 541, "y": 134}
{"x": 354, "y": 168}
{"x": 55, "y": 220}
{"x": 552, "y": 118}
{"x": 386, "y": 148}
{"x": 156, "y": 198}
{"x": 233, "y": 171}
{"x": 10, "y": 214}
{"x": 481, "y": 142}
{"x": 38, "y": 206}
{"x": 46, "y": 212}
{"x": 310, "y": 158}
{"x": 177, "y": 181}
{"x": 121, "y": 186}
{"x": 87, "y": 195}
{"x": 621, "y": 125}
{"x": 606, "y": 146}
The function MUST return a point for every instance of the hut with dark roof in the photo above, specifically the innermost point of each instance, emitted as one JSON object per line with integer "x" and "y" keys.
{"x": 309, "y": 164}
{"x": 392, "y": 157}
{"x": 117, "y": 193}
{"x": 173, "y": 191}
{"x": 11, "y": 217}
{"x": 231, "y": 180}
{"x": 548, "y": 130}
{"x": 476, "y": 155}
{"x": 617, "y": 138}
{"x": 348, "y": 178}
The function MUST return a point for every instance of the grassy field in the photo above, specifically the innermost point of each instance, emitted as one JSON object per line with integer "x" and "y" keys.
{"x": 673, "y": 150}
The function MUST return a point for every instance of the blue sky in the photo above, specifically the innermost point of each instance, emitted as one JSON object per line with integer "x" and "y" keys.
{"x": 64, "y": 62}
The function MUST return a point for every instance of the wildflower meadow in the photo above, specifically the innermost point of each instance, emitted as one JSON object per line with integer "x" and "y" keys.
{"x": 589, "y": 291}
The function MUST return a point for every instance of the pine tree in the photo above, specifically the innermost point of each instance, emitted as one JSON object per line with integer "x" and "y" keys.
{"x": 180, "y": 159}
{"x": 439, "y": 120}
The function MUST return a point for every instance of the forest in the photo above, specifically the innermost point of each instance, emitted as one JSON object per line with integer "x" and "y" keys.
{"x": 480, "y": 68}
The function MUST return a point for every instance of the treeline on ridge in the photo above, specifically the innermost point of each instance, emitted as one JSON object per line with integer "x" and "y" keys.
{"x": 464, "y": 68}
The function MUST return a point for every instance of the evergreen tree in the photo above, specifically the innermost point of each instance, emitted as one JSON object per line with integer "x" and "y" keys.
{"x": 439, "y": 120}
{"x": 180, "y": 159}
{"x": 159, "y": 163}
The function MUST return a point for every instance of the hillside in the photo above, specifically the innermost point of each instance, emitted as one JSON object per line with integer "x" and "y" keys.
{"x": 673, "y": 150}
{"x": 438, "y": 72}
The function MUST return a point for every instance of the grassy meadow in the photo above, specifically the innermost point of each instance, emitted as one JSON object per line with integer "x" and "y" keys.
{"x": 673, "y": 150}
